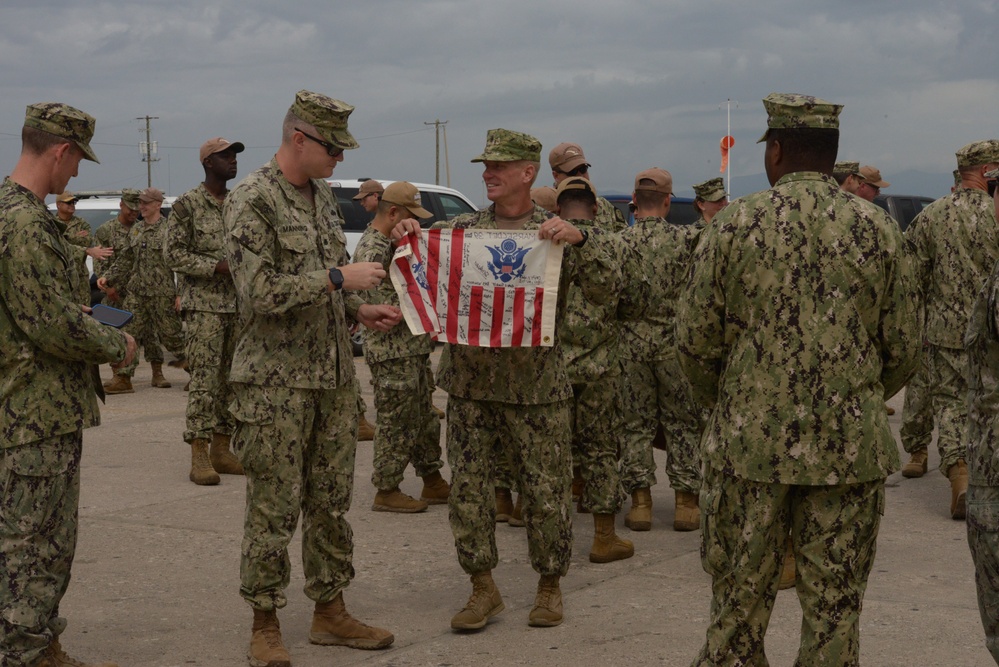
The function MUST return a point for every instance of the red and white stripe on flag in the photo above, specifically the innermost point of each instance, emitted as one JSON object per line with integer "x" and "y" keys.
{"x": 480, "y": 287}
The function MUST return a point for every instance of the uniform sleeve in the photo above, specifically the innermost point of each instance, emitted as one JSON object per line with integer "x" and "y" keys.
{"x": 120, "y": 265}
{"x": 900, "y": 331}
{"x": 178, "y": 252}
{"x": 632, "y": 302}
{"x": 594, "y": 267}
{"x": 918, "y": 246}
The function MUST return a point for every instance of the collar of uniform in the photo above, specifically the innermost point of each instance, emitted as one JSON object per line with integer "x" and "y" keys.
{"x": 796, "y": 176}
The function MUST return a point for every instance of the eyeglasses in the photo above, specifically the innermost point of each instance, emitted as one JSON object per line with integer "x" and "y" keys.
{"x": 331, "y": 150}
{"x": 876, "y": 189}
{"x": 578, "y": 171}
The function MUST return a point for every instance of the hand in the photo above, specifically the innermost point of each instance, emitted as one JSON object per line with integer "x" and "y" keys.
{"x": 102, "y": 284}
{"x": 130, "y": 348}
{"x": 405, "y": 227}
{"x": 379, "y": 318}
{"x": 560, "y": 231}
{"x": 222, "y": 267}
{"x": 361, "y": 276}
{"x": 100, "y": 252}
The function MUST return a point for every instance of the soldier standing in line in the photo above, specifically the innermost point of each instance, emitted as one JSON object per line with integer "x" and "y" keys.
{"x": 48, "y": 347}
{"x": 407, "y": 430}
{"x": 954, "y": 243}
{"x": 141, "y": 268}
{"x": 709, "y": 198}
{"x": 195, "y": 250}
{"x": 797, "y": 321}
{"x": 292, "y": 376}
{"x": 78, "y": 234}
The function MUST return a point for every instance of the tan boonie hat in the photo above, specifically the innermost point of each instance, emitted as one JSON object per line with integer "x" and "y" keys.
{"x": 63, "y": 121}
{"x": 873, "y": 176}
{"x": 368, "y": 187}
{"x": 711, "y": 190}
{"x": 846, "y": 168}
{"x": 544, "y": 197}
{"x": 509, "y": 146}
{"x": 791, "y": 110}
{"x": 131, "y": 198}
{"x": 406, "y": 195}
{"x": 327, "y": 115}
{"x": 978, "y": 153}
{"x": 151, "y": 195}
{"x": 66, "y": 198}
{"x": 567, "y": 156}
{"x": 662, "y": 181}
{"x": 217, "y": 145}
{"x": 575, "y": 183}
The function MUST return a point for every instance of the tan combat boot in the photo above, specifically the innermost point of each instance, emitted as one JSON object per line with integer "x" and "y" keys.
{"x": 917, "y": 465}
{"x": 504, "y": 505}
{"x": 958, "y": 476}
{"x": 158, "y": 379}
{"x": 365, "y": 431}
{"x": 54, "y": 656}
{"x": 607, "y": 546}
{"x": 788, "y": 571}
{"x": 517, "y": 515}
{"x": 639, "y": 517}
{"x": 547, "y": 610}
{"x": 120, "y": 384}
{"x": 202, "y": 472}
{"x": 266, "y": 647}
{"x": 221, "y": 457}
{"x": 395, "y": 500}
{"x": 484, "y": 603}
{"x": 332, "y": 625}
{"x": 688, "y": 514}
{"x": 435, "y": 489}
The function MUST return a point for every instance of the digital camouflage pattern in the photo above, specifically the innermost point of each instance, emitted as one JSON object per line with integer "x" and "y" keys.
{"x": 78, "y": 234}
{"x": 846, "y": 168}
{"x": 983, "y": 539}
{"x": 210, "y": 338}
{"x": 327, "y": 115}
{"x": 916, "y": 431}
{"x": 509, "y": 146}
{"x": 712, "y": 189}
{"x": 609, "y": 217}
{"x": 795, "y": 339}
{"x": 978, "y": 153}
{"x": 791, "y": 110}
{"x": 112, "y": 234}
{"x": 63, "y": 121}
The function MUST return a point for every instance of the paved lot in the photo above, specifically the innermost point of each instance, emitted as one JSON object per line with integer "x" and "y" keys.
{"x": 156, "y": 574}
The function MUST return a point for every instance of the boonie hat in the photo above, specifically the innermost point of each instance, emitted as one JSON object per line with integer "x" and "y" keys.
{"x": 63, "y": 121}
{"x": 406, "y": 195}
{"x": 217, "y": 145}
{"x": 566, "y": 157}
{"x": 327, "y": 115}
{"x": 846, "y": 168}
{"x": 67, "y": 198}
{"x": 711, "y": 190}
{"x": 544, "y": 197}
{"x": 151, "y": 195}
{"x": 370, "y": 186}
{"x": 873, "y": 176}
{"x": 131, "y": 198}
{"x": 509, "y": 146}
{"x": 662, "y": 181}
{"x": 791, "y": 110}
{"x": 977, "y": 153}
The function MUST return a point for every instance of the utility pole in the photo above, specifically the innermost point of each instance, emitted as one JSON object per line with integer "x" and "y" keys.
{"x": 147, "y": 149}
{"x": 438, "y": 123}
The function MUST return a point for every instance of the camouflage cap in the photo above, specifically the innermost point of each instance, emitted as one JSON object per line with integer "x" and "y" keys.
{"x": 846, "y": 168}
{"x": 566, "y": 156}
{"x": 509, "y": 146}
{"x": 406, "y": 195}
{"x": 131, "y": 198}
{"x": 711, "y": 190}
{"x": 575, "y": 183}
{"x": 63, "y": 121}
{"x": 662, "y": 181}
{"x": 67, "y": 197}
{"x": 151, "y": 195}
{"x": 327, "y": 115}
{"x": 791, "y": 110}
{"x": 957, "y": 178}
{"x": 544, "y": 197}
{"x": 368, "y": 187}
{"x": 992, "y": 174}
{"x": 873, "y": 176}
{"x": 978, "y": 153}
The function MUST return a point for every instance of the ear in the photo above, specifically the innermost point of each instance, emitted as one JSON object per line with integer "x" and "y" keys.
{"x": 529, "y": 172}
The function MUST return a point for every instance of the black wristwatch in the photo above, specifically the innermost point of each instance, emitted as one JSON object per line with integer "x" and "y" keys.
{"x": 336, "y": 277}
{"x": 586, "y": 236}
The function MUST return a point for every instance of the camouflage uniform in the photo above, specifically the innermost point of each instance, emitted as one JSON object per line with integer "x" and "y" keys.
{"x": 515, "y": 401}
{"x": 408, "y": 430}
{"x": 916, "y": 431}
{"x": 955, "y": 243}
{"x": 113, "y": 234}
{"x": 195, "y": 244}
{"x": 798, "y": 320}
{"x": 78, "y": 235}
{"x": 48, "y": 348}
{"x": 654, "y": 389}
{"x": 293, "y": 379}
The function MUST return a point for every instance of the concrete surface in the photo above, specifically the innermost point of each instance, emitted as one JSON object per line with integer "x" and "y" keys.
{"x": 157, "y": 572}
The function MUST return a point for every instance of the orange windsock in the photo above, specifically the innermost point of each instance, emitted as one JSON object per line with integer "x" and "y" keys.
{"x": 726, "y": 143}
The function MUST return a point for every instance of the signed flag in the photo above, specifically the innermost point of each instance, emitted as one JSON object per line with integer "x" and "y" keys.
{"x": 480, "y": 287}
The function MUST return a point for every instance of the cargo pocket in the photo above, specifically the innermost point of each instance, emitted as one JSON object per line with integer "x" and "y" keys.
{"x": 715, "y": 558}
{"x": 36, "y": 479}
{"x": 253, "y": 410}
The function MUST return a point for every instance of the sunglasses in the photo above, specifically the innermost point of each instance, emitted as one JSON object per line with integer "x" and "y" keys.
{"x": 331, "y": 150}
{"x": 578, "y": 171}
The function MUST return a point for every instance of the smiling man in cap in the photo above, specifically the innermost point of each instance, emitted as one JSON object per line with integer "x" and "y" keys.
{"x": 796, "y": 369}
{"x": 48, "y": 348}
{"x": 295, "y": 399}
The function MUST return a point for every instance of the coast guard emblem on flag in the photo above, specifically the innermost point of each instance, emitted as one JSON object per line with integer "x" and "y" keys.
{"x": 481, "y": 287}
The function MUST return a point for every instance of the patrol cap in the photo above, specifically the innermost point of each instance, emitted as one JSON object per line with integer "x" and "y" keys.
{"x": 567, "y": 156}
{"x": 977, "y": 153}
{"x": 575, "y": 183}
{"x": 846, "y": 168}
{"x": 509, "y": 146}
{"x": 992, "y": 174}
{"x": 131, "y": 198}
{"x": 151, "y": 195}
{"x": 873, "y": 176}
{"x": 63, "y": 121}
{"x": 662, "y": 181}
{"x": 791, "y": 110}
{"x": 370, "y": 186}
{"x": 406, "y": 195}
{"x": 217, "y": 145}
{"x": 711, "y": 190}
{"x": 544, "y": 197}
{"x": 327, "y": 115}
{"x": 67, "y": 198}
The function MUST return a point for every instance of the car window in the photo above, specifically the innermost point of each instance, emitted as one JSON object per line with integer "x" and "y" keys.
{"x": 453, "y": 206}
{"x": 354, "y": 216}
{"x": 682, "y": 212}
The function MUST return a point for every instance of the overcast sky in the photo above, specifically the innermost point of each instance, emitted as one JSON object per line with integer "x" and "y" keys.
{"x": 638, "y": 83}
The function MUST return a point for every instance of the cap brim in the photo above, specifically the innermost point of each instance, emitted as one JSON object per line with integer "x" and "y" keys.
{"x": 764, "y": 137}
{"x": 236, "y": 146}
{"x": 571, "y": 164}
{"x": 88, "y": 152}
{"x": 340, "y": 138}
{"x": 420, "y": 212}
